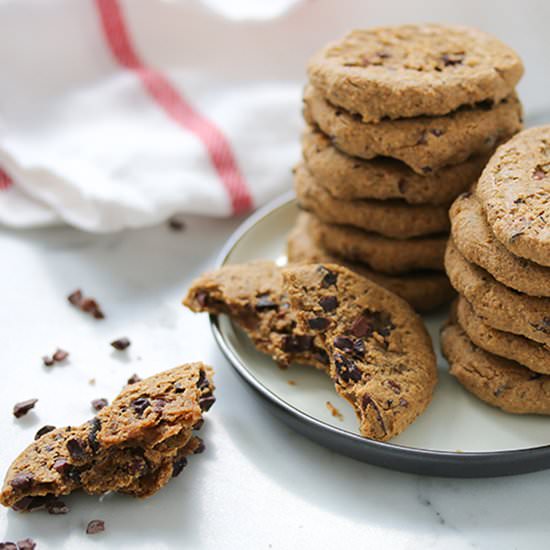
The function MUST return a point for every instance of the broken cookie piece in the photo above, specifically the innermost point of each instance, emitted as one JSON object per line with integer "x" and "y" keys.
{"x": 135, "y": 445}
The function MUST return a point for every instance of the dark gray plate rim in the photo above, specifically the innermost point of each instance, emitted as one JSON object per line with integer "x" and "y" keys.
{"x": 386, "y": 454}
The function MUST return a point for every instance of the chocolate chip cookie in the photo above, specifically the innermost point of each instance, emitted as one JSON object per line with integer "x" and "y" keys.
{"x": 514, "y": 191}
{"x": 350, "y": 178}
{"x": 381, "y": 356}
{"x": 135, "y": 445}
{"x": 497, "y": 381}
{"x": 477, "y": 243}
{"x": 252, "y": 295}
{"x": 391, "y": 256}
{"x": 533, "y": 355}
{"x": 497, "y": 305}
{"x": 423, "y": 290}
{"x": 425, "y": 144}
{"x": 395, "y": 219}
{"x": 412, "y": 70}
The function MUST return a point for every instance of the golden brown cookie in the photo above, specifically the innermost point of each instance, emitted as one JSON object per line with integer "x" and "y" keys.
{"x": 514, "y": 191}
{"x": 350, "y": 178}
{"x": 135, "y": 445}
{"x": 425, "y": 144}
{"x": 477, "y": 243}
{"x": 412, "y": 70}
{"x": 391, "y": 256}
{"x": 423, "y": 290}
{"x": 533, "y": 355}
{"x": 381, "y": 356}
{"x": 497, "y": 305}
{"x": 395, "y": 219}
{"x": 497, "y": 381}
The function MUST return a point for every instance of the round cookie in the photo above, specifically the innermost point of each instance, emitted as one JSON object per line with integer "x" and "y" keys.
{"x": 391, "y": 256}
{"x": 514, "y": 190}
{"x": 381, "y": 356}
{"x": 412, "y": 70}
{"x": 426, "y": 144}
{"x": 497, "y": 381}
{"x": 499, "y": 306}
{"x": 424, "y": 290}
{"x": 476, "y": 242}
{"x": 533, "y": 355}
{"x": 351, "y": 178}
{"x": 395, "y": 219}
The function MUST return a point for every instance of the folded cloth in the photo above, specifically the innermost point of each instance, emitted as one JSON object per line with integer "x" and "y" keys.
{"x": 94, "y": 135}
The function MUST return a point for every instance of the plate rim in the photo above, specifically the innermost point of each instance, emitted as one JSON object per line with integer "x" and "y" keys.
{"x": 284, "y": 200}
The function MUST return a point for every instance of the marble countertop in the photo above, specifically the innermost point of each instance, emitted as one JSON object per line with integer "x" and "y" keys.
{"x": 259, "y": 485}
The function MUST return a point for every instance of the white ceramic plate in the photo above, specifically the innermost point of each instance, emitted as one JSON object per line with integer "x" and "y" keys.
{"x": 458, "y": 435}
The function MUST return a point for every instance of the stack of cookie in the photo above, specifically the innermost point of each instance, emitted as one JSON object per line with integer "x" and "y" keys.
{"x": 401, "y": 120}
{"x": 498, "y": 259}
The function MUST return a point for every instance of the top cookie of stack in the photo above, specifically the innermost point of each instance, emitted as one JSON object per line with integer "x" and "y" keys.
{"x": 401, "y": 120}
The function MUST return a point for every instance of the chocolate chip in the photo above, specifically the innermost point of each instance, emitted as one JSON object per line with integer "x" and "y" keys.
{"x": 329, "y": 278}
{"x": 369, "y": 402}
{"x": 344, "y": 343}
{"x": 427, "y": 169}
{"x": 60, "y": 355}
{"x": 403, "y": 402}
{"x": 176, "y": 224}
{"x": 76, "y": 449}
{"x": 346, "y": 368}
{"x": 450, "y": 59}
{"x": 543, "y": 326}
{"x": 402, "y": 184}
{"x": 75, "y": 297}
{"x": 318, "y": 323}
{"x": 205, "y": 403}
{"x": 26, "y": 504}
{"x": 328, "y": 303}
{"x": 87, "y": 305}
{"x": 98, "y": 404}
{"x": 43, "y": 431}
{"x": 140, "y": 404}
{"x": 263, "y": 303}
{"x": 198, "y": 424}
{"x": 134, "y": 378}
{"x": 8, "y": 545}
{"x": 297, "y": 343}
{"x": 158, "y": 405}
{"x": 201, "y": 447}
{"x": 48, "y": 361}
{"x": 56, "y": 507}
{"x": 22, "y": 408}
{"x": 178, "y": 466}
{"x": 26, "y": 544}
{"x": 436, "y": 132}
{"x": 520, "y": 200}
{"x": 321, "y": 356}
{"x": 359, "y": 348}
{"x": 62, "y": 466}
{"x": 95, "y": 427}
{"x": 202, "y": 382}
{"x": 178, "y": 388}
{"x": 95, "y": 526}
{"x": 539, "y": 172}
{"x": 121, "y": 343}
{"x": 202, "y": 298}
{"x": 395, "y": 387}
{"x": 370, "y": 322}
{"x": 22, "y": 481}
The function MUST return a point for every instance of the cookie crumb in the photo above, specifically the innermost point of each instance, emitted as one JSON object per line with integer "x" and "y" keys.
{"x": 22, "y": 408}
{"x": 43, "y": 431}
{"x": 91, "y": 381}
{"x": 291, "y": 382}
{"x": 121, "y": 343}
{"x": 176, "y": 224}
{"x": 87, "y": 305}
{"x": 95, "y": 526}
{"x": 334, "y": 411}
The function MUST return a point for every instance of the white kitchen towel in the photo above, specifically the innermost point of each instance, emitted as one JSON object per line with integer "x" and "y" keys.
{"x": 120, "y": 113}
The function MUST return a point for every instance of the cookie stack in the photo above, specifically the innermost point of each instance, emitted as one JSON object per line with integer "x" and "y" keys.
{"x": 400, "y": 121}
{"x": 498, "y": 259}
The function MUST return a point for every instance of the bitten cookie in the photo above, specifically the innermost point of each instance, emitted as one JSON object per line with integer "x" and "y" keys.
{"x": 531, "y": 354}
{"x": 514, "y": 190}
{"x": 395, "y": 219}
{"x": 252, "y": 295}
{"x": 499, "y": 306}
{"x": 425, "y": 144}
{"x": 351, "y": 178}
{"x": 412, "y": 70}
{"x": 423, "y": 290}
{"x": 476, "y": 242}
{"x": 392, "y": 256}
{"x": 497, "y": 381}
{"x": 135, "y": 445}
{"x": 381, "y": 357}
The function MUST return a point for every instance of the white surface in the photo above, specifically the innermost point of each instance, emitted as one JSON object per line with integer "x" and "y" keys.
{"x": 258, "y": 485}
{"x": 455, "y": 419}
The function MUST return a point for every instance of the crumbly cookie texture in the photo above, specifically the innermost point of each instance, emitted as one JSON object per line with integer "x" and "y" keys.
{"x": 497, "y": 305}
{"x": 391, "y": 256}
{"x": 350, "y": 178}
{"x": 381, "y": 356}
{"x": 533, "y": 355}
{"x": 394, "y": 219}
{"x": 477, "y": 243}
{"x": 252, "y": 295}
{"x": 412, "y": 70}
{"x": 514, "y": 190}
{"x": 135, "y": 445}
{"x": 425, "y": 144}
{"x": 423, "y": 290}
{"x": 497, "y": 381}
